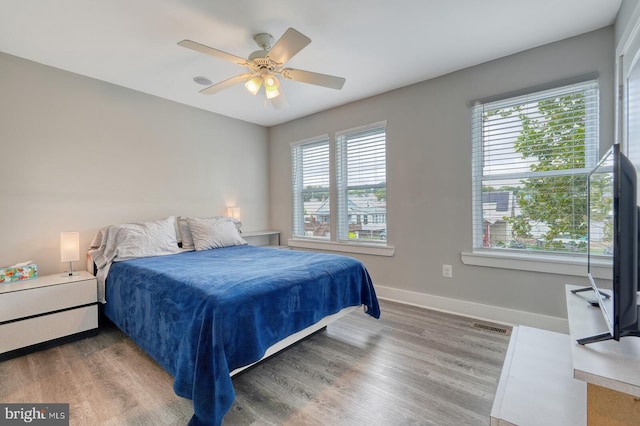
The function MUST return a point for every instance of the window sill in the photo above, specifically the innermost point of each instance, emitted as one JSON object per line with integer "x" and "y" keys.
{"x": 375, "y": 250}
{"x": 561, "y": 264}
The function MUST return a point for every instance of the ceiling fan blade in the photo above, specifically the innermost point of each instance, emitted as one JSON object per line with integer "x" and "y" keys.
{"x": 313, "y": 78}
{"x": 241, "y": 78}
{"x": 213, "y": 52}
{"x": 291, "y": 42}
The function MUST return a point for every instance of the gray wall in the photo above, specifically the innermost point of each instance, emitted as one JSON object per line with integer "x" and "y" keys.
{"x": 78, "y": 154}
{"x": 429, "y": 172}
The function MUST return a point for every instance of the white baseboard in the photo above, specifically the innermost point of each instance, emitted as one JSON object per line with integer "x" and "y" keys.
{"x": 474, "y": 310}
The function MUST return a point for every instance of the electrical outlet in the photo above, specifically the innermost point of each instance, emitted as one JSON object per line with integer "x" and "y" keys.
{"x": 447, "y": 271}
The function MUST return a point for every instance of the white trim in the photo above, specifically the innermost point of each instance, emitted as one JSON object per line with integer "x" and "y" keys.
{"x": 375, "y": 250}
{"x": 320, "y": 138}
{"x": 620, "y": 88}
{"x": 561, "y": 265}
{"x": 553, "y": 92}
{"x": 630, "y": 31}
{"x": 473, "y": 310}
{"x": 627, "y": 55}
{"x": 378, "y": 125}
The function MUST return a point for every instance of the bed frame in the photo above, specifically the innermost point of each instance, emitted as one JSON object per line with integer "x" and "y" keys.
{"x": 282, "y": 344}
{"x": 297, "y": 337}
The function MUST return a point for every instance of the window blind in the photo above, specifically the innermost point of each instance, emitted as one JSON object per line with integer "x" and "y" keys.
{"x": 531, "y": 155}
{"x": 361, "y": 176}
{"x": 311, "y": 184}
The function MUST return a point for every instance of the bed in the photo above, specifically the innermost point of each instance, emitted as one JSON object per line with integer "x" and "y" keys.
{"x": 206, "y": 313}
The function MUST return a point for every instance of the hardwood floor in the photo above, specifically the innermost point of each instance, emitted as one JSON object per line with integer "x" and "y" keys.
{"x": 411, "y": 367}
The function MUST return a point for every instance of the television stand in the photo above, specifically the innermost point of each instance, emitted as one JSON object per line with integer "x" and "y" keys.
{"x": 632, "y": 331}
{"x": 597, "y": 338}
{"x": 610, "y": 368}
{"x": 591, "y": 301}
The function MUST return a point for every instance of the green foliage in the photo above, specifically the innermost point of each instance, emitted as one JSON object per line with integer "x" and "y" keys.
{"x": 602, "y": 200}
{"x": 315, "y": 192}
{"x": 379, "y": 190}
{"x": 553, "y": 138}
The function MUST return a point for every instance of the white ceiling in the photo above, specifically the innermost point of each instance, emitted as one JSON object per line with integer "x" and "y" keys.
{"x": 377, "y": 45}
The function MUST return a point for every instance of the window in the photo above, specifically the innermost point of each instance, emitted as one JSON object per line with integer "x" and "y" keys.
{"x": 358, "y": 186}
{"x": 531, "y": 157}
{"x": 311, "y": 189}
{"x": 361, "y": 181}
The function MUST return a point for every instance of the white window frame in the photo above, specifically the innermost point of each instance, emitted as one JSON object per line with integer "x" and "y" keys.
{"x": 342, "y": 188}
{"x": 338, "y": 219}
{"x": 561, "y": 263}
{"x": 297, "y": 181}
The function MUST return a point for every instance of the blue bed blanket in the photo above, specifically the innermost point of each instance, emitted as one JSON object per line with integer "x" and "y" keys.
{"x": 203, "y": 314}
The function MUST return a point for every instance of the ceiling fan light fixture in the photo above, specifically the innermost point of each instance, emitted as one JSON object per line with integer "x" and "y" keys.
{"x": 271, "y": 92}
{"x": 271, "y": 82}
{"x": 253, "y": 85}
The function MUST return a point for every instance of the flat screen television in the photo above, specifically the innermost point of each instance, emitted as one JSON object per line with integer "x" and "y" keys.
{"x": 613, "y": 234}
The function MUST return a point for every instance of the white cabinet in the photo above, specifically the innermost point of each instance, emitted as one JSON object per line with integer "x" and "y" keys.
{"x": 536, "y": 386}
{"x": 52, "y": 309}
{"x": 544, "y": 374}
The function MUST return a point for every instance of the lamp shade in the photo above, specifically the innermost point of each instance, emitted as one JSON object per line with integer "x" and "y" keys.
{"x": 271, "y": 84}
{"x": 271, "y": 81}
{"x": 233, "y": 212}
{"x": 69, "y": 246}
{"x": 272, "y": 93}
{"x": 253, "y": 85}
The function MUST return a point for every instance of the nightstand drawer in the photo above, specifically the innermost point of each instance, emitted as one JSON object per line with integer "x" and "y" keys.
{"x": 40, "y": 300}
{"x": 20, "y": 334}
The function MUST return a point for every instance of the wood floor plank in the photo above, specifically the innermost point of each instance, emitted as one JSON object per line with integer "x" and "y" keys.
{"x": 412, "y": 367}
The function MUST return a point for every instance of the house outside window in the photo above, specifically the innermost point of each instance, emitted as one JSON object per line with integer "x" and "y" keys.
{"x": 531, "y": 157}
{"x": 358, "y": 185}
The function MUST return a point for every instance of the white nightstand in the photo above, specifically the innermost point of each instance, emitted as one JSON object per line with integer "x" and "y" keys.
{"x": 46, "y": 311}
{"x": 263, "y": 238}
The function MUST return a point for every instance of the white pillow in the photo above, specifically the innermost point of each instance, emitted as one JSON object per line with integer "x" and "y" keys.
{"x": 215, "y": 232}
{"x": 185, "y": 234}
{"x": 145, "y": 239}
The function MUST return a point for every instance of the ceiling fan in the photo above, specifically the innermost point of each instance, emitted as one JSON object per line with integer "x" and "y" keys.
{"x": 266, "y": 65}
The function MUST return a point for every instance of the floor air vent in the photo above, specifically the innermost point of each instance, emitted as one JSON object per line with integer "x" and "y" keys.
{"x": 493, "y": 328}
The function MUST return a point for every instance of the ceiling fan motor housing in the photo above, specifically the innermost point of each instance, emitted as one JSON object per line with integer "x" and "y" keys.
{"x": 259, "y": 58}
{"x": 258, "y": 54}
{"x": 264, "y": 40}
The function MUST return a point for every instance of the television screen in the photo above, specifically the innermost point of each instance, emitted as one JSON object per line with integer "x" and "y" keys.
{"x": 601, "y": 228}
{"x": 613, "y": 234}
{"x": 601, "y": 194}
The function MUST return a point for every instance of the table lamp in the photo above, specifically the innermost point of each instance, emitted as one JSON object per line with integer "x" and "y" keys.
{"x": 70, "y": 250}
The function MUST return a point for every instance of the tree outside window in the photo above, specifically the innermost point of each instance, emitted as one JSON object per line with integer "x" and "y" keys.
{"x": 532, "y": 155}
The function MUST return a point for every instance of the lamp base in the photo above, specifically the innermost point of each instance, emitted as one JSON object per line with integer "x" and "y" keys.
{"x": 70, "y": 272}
